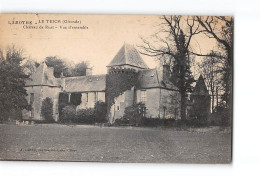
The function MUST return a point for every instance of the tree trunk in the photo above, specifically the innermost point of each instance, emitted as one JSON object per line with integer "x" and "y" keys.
{"x": 217, "y": 96}
{"x": 212, "y": 102}
{"x": 183, "y": 105}
{"x": 229, "y": 79}
{"x": 230, "y": 86}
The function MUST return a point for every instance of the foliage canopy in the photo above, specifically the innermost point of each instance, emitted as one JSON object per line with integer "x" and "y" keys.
{"x": 47, "y": 109}
{"x": 12, "y": 82}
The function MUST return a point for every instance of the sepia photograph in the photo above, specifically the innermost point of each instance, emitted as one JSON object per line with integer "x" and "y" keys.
{"x": 116, "y": 88}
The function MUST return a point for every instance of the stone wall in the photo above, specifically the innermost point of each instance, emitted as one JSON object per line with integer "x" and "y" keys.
{"x": 160, "y": 103}
{"x": 40, "y": 93}
{"x": 121, "y": 102}
{"x": 152, "y": 102}
{"x": 88, "y": 99}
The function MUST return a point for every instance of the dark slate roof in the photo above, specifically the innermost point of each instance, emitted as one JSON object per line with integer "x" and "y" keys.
{"x": 128, "y": 55}
{"x": 43, "y": 75}
{"x": 200, "y": 88}
{"x": 149, "y": 78}
{"x": 85, "y": 83}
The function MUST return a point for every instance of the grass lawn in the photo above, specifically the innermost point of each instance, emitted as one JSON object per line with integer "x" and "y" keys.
{"x": 114, "y": 144}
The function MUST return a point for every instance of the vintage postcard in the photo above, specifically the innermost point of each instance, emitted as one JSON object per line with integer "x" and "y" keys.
{"x": 116, "y": 88}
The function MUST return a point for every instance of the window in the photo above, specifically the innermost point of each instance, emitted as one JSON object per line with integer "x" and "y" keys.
{"x": 96, "y": 97}
{"x": 75, "y": 98}
{"x": 143, "y": 96}
{"x": 86, "y": 97}
{"x": 176, "y": 113}
{"x": 118, "y": 108}
{"x": 31, "y": 98}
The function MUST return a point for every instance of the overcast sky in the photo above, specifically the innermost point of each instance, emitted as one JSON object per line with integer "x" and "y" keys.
{"x": 98, "y": 44}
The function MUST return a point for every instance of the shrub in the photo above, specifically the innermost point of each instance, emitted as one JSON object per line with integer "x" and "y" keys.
{"x": 121, "y": 121}
{"x": 221, "y": 117}
{"x": 68, "y": 114}
{"x": 63, "y": 101}
{"x": 154, "y": 122}
{"x": 86, "y": 115}
{"x": 100, "y": 112}
{"x": 195, "y": 122}
{"x": 47, "y": 109}
{"x": 60, "y": 108}
{"x": 134, "y": 114}
{"x": 169, "y": 122}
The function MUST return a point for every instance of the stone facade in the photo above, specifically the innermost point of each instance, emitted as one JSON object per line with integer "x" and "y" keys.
{"x": 121, "y": 102}
{"x": 36, "y": 94}
{"x": 89, "y": 99}
{"x": 43, "y": 84}
{"x": 153, "y": 88}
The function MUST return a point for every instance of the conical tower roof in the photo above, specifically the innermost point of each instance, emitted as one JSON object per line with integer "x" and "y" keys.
{"x": 200, "y": 88}
{"x": 128, "y": 55}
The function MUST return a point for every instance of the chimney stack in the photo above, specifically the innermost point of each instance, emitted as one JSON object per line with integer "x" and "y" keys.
{"x": 88, "y": 71}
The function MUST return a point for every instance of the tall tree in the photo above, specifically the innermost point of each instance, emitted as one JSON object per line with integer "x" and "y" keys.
{"x": 58, "y": 64}
{"x": 221, "y": 29}
{"x": 210, "y": 69}
{"x": 29, "y": 66}
{"x": 80, "y": 69}
{"x": 12, "y": 82}
{"x": 175, "y": 45}
{"x": 68, "y": 70}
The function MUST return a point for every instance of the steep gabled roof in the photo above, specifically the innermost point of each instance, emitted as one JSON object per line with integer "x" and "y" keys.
{"x": 85, "y": 83}
{"x": 149, "y": 78}
{"x": 200, "y": 88}
{"x": 43, "y": 76}
{"x": 128, "y": 55}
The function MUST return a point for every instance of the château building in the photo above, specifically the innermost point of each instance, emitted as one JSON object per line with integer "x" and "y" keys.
{"x": 152, "y": 87}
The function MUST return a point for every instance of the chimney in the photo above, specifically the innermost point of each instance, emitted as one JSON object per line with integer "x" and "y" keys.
{"x": 166, "y": 72}
{"x": 88, "y": 71}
